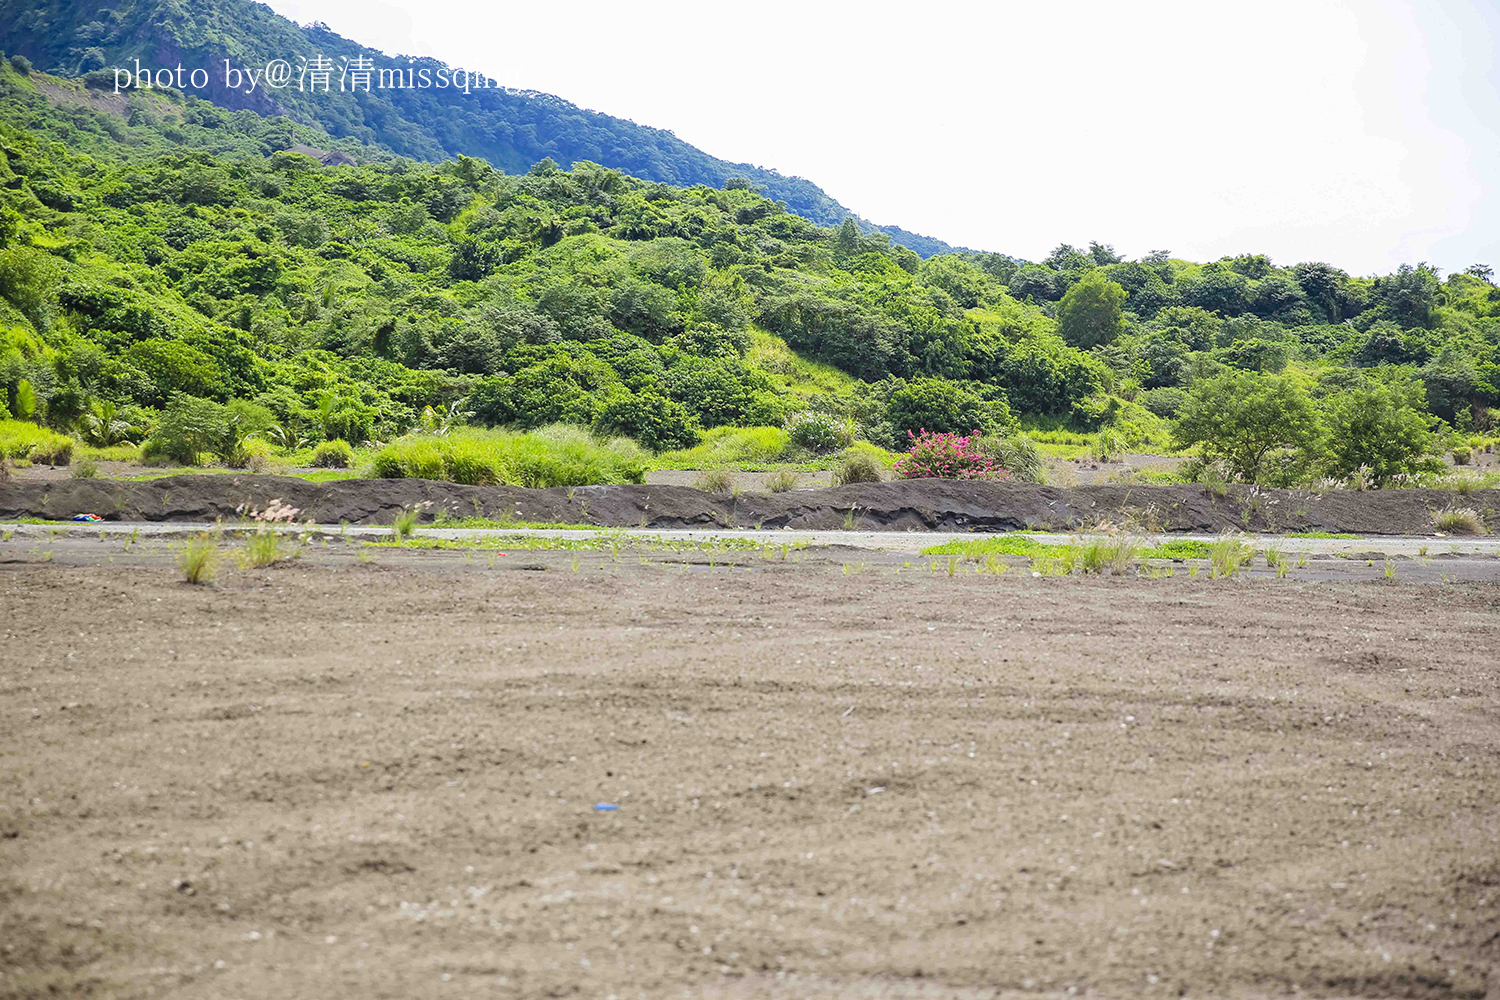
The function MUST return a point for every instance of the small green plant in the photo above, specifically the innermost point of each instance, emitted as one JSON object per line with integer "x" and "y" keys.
{"x": 1273, "y": 556}
{"x": 1390, "y": 570}
{"x": 405, "y": 522}
{"x": 720, "y": 482}
{"x": 782, "y": 481}
{"x": 85, "y": 468}
{"x": 1106, "y": 446}
{"x": 1458, "y": 521}
{"x": 199, "y": 559}
{"x": 856, "y": 468}
{"x": 1227, "y": 555}
{"x": 263, "y": 548}
{"x": 1461, "y": 455}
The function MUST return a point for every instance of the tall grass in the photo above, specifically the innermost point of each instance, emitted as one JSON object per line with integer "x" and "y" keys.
{"x": 558, "y": 455}
{"x": 741, "y": 447}
{"x": 25, "y": 440}
{"x": 1458, "y": 521}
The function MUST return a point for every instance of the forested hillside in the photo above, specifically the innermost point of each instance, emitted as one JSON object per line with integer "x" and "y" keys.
{"x": 511, "y": 129}
{"x": 173, "y": 253}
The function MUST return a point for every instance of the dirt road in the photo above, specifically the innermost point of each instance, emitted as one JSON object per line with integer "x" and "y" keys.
{"x": 375, "y": 775}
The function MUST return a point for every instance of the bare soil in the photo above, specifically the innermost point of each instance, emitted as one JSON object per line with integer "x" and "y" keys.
{"x": 909, "y": 505}
{"x": 346, "y": 778}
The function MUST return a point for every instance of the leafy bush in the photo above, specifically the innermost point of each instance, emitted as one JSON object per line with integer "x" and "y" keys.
{"x": 1164, "y": 402}
{"x": 1461, "y": 455}
{"x": 558, "y": 455}
{"x": 335, "y": 454}
{"x": 946, "y": 456}
{"x": 818, "y": 432}
{"x": 25, "y": 440}
{"x": 1376, "y": 427}
{"x": 932, "y": 404}
{"x": 858, "y": 467}
{"x": 1243, "y": 418}
{"x": 654, "y": 421}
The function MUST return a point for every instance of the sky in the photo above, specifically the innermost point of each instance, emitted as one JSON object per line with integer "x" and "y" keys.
{"x": 1360, "y": 133}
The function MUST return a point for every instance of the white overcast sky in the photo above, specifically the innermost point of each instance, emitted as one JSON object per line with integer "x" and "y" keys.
{"x": 1362, "y": 132}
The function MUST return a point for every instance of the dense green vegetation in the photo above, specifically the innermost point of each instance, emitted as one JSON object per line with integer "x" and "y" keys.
{"x": 512, "y": 129}
{"x": 174, "y": 274}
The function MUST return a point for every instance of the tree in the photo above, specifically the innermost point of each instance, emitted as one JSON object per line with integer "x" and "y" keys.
{"x": 1376, "y": 427}
{"x": 1483, "y": 272}
{"x": 1092, "y": 311}
{"x": 1104, "y": 253}
{"x": 1241, "y": 418}
{"x": 1410, "y": 295}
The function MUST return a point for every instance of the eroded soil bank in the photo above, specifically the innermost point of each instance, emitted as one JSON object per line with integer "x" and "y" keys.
{"x": 911, "y": 505}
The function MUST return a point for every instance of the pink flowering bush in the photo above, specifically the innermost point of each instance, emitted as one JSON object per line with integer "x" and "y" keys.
{"x": 934, "y": 455}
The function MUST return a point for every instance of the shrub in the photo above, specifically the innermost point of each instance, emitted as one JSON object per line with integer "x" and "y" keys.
{"x": 819, "y": 432}
{"x": 86, "y": 469}
{"x": 1164, "y": 402}
{"x": 335, "y": 454}
{"x": 1377, "y": 427}
{"x": 1243, "y": 418}
{"x": 939, "y": 405}
{"x": 782, "y": 481}
{"x": 1461, "y": 455}
{"x": 719, "y": 481}
{"x": 858, "y": 467}
{"x": 1458, "y": 521}
{"x": 199, "y": 559}
{"x": 20, "y": 64}
{"x": 189, "y": 427}
{"x": 656, "y": 422}
{"x": 946, "y": 456}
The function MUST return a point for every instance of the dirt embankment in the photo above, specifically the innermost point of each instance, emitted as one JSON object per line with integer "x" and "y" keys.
{"x": 913, "y": 505}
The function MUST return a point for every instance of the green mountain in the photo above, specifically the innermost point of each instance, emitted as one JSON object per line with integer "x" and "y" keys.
{"x": 512, "y": 129}
{"x": 176, "y": 270}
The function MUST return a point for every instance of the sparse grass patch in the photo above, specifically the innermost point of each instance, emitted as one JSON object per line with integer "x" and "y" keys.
{"x": 720, "y": 482}
{"x": 782, "y": 481}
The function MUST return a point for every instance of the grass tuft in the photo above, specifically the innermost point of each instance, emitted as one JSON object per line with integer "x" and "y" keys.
{"x": 199, "y": 559}
{"x": 1458, "y": 521}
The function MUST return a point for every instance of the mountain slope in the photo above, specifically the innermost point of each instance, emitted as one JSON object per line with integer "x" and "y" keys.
{"x": 511, "y": 129}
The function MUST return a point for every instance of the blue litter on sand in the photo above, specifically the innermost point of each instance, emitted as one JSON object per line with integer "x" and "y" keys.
{"x": 606, "y": 807}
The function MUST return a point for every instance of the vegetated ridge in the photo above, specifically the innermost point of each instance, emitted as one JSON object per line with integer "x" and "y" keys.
{"x": 512, "y": 129}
